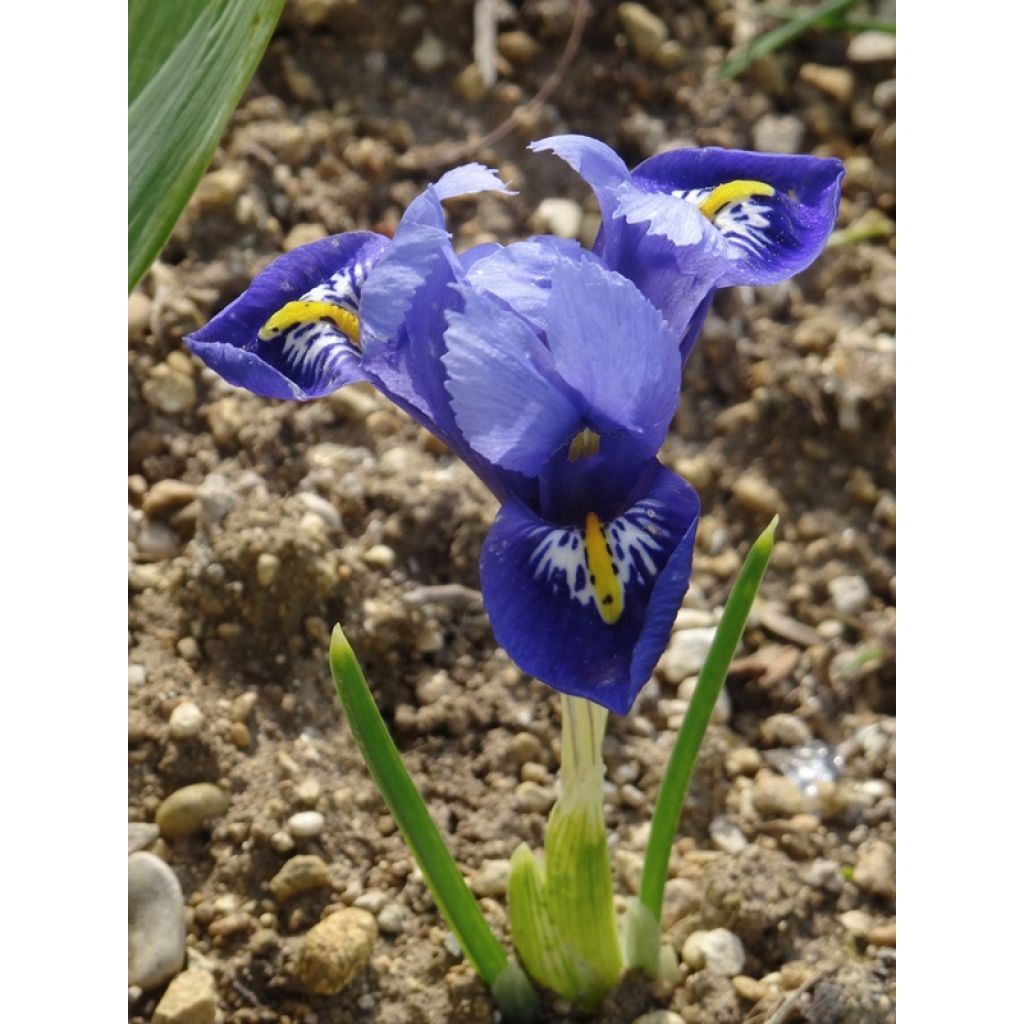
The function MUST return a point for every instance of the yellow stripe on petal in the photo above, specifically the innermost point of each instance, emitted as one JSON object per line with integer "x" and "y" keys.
{"x": 732, "y": 192}
{"x": 584, "y": 444}
{"x": 304, "y": 312}
{"x": 603, "y": 577}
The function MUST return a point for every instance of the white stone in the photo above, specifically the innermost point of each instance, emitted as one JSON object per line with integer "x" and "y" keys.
{"x": 305, "y": 824}
{"x": 718, "y": 951}
{"x": 686, "y": 652}
{"x": 156, "y": 921}
{"x": 850, "y": 594}
{"x": 186, "y": 721}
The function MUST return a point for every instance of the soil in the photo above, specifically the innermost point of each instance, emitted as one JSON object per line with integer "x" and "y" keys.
{"x": 255, "y": 525}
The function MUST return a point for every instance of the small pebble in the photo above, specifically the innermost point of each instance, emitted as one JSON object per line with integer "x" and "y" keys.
{"x": 305, "y": 824}
{"x": 334, "y": 951}
{"x": 687, "y": 649}
{"x": 187, "y": 809}
{"x": 156, "y": 921}
{"x": 490, "y": 879}
{"x": 391, "y": 919}
{"x": 136, "y": 676}
{"x": 282, "y": 842}
{"x": 307, "y": 792}
{"x": 380, "y": 556}
{"x": 298, "y": 875}
{"x": 518, "y": 47}
{"x": 168, "y": 390}
{"x": 240, "y": 735}
{"x": 560, "y": 217}
{"x": 190, "y": 999}
{"x": 429, "y": 55}
{"x": 533, "y": 797}
{"x": 718, "y": 951}
{"x": 883, "y": 935}
{"x": 139, "y": 309}
{"x": 219, "y": 189}
{"x": 857, "y": 922}
{"x": 372, "y": 900}
{"x": 749, "y": 988}
{"x": 850, "y": 594}
{"x": 659, "y": 1017}
{"x": 875, "y": 870}
{"x": 682, "y": 898}
{"x": 303, "y": 234}
{"x": 185, "y": 722}
{"x": 646, "y": 31}
{"x": 754, "y": 492}
{"x": 526, "y": 747}
{"x": 167, "y": 496}
{"x": 775, "y": 796}
{"x": 727, "y": 835}
{"x": 871, "y": 47}
{"x": 140, "y": 835}
{"x": 743, "y": 761}
{"x": 835, "y": 82}
{"x": 267, "y": 566}
{"x": 785, "y": 730}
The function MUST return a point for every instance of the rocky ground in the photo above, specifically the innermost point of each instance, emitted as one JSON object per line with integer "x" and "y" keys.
{"x": 255, "y": 525}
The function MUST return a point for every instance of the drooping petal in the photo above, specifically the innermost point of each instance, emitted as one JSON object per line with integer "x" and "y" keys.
{"x": 543, "y": 595}
{"x": 504, "y": 394}
{"x": 613, "y": 347}
{"x": 771, "y": 234}
{"x": 314, "y": 293}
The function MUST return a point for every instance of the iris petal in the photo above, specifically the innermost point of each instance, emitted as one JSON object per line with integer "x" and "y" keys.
{"x": 613, "y": 347}
{"x": 311, "y": 358}
{"x": 504, "y": 394}
{"x": 771, "y": 237}
{"x": 542, "y": 603}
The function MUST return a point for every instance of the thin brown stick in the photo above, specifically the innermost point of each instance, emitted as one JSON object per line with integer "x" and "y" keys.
{"x": 444, "y": 154}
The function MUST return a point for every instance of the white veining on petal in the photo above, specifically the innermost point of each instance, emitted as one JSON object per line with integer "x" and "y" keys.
{"x": 314, "y": 350}
{"x": 743, "y": 222}
{"x": 342, "y": 289}
{"x": 634, "y": 539}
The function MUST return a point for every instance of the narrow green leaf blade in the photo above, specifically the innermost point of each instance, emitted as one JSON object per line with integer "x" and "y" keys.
{"x": 673, "y": 788}
{"x": 457, "y": 904}
{"x": 769, "y": 42}
{"x": 188, "y": 63}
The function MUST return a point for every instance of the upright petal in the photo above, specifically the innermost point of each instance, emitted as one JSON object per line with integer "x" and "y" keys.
{"x": 293, "y": 333}
{"x": 507, "y": 402}
{"x": 613, "y": 347}
{"x": 544, "y": 597}
{"x": 597, "y": 164}
{"x": 773, "y": 231}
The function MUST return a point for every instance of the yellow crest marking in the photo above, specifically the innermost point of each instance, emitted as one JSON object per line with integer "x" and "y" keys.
{"x": 584, "y": 444}
{"x": 603, "y": 577}
{"x": 304, "y": 312}
{"x": 732, "y": 192}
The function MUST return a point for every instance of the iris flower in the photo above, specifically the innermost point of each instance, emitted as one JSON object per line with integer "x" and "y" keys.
{"x": 550, "y": 375}
{"x": 686, "y": 222}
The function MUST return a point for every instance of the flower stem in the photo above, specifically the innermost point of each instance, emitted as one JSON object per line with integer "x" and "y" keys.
{"x": 672, "y": 793}
{"x": 509, "y": 986}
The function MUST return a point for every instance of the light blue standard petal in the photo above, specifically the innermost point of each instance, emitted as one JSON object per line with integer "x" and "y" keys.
{"x": 294, "y": 332}
{"x": 613, "y": 347}
{"x": 505, "y": 398}
{"x": 772, "y": 232}
{"x": 467, "y": 180}
{"x": 543, "y": 596}
{"x": 520, "y": 274}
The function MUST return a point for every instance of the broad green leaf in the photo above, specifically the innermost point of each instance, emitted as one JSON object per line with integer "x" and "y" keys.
{"x": 188, "y": 63}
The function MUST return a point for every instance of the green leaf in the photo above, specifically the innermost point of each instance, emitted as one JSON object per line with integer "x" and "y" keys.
{"x": 457, "y": 904}
{"x": 188, "y": 63}
{"x": 769, "y": 42}
{"x": 643, "y": 950}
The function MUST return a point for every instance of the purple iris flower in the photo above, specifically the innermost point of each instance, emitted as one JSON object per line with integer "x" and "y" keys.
{"x": 551, "y": 376}
{"x": 686, "y": 222}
